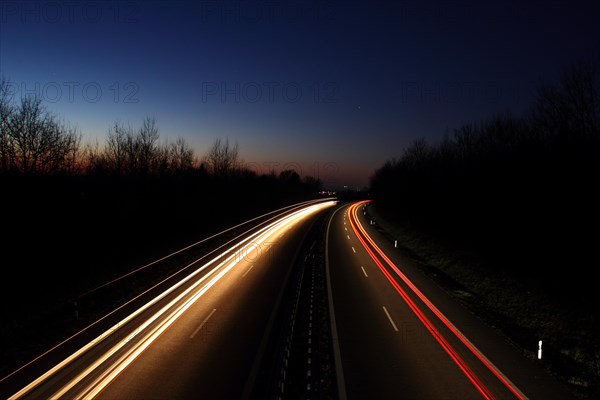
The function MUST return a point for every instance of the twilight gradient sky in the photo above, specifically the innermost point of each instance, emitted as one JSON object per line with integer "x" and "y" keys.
{"x": 330, "y": 88}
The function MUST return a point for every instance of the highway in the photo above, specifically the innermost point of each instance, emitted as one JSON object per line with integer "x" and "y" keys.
{"x": 199, "y": 338}
{"x": 311, "y": 297}
{"x": 398, "y": 335}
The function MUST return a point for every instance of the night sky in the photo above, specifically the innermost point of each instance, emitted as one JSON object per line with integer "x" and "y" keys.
{"x": 331, "y": 89}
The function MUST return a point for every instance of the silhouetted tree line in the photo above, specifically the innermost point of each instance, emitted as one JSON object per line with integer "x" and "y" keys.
{"x": 131, "y": 152}
{"x": 34, "y": 141}
{"x": 522, "y": 191}
{"x": 74, "y": 213}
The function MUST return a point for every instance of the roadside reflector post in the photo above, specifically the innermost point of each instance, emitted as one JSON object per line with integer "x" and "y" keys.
{"x": 395, "y": 243}
{"x": 540, "y": 350}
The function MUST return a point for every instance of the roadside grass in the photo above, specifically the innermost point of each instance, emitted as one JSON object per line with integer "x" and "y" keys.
{"x": 522, "y": 311}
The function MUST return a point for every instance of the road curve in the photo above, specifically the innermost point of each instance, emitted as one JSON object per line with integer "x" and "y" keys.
{"x": 401, "y": 336}
{"x": 197, "y": 338}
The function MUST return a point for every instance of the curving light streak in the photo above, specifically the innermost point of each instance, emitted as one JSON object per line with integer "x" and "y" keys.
{"x": 361, "y": 233}
{"x": 277, "y": 214}
{"x": 103, "y": 371}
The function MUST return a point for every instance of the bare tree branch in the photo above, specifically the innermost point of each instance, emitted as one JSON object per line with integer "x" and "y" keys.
{"x": 223, "y": 158}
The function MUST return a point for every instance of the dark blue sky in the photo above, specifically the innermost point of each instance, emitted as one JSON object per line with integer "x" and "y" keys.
{"x": 329, "y": 88}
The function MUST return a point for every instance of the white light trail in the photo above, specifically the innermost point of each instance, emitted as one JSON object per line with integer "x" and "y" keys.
{"x": 145, "y": 333}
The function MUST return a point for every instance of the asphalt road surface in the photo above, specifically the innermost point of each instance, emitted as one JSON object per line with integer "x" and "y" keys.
{"x": 199, "y": 338}
{"x": 393, "y": 334}
{"x": 400, "y": 336}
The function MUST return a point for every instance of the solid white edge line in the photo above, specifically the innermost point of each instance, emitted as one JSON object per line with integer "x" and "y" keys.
{"x": 339, "y": 372}
{"x": 258, "y": 359}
